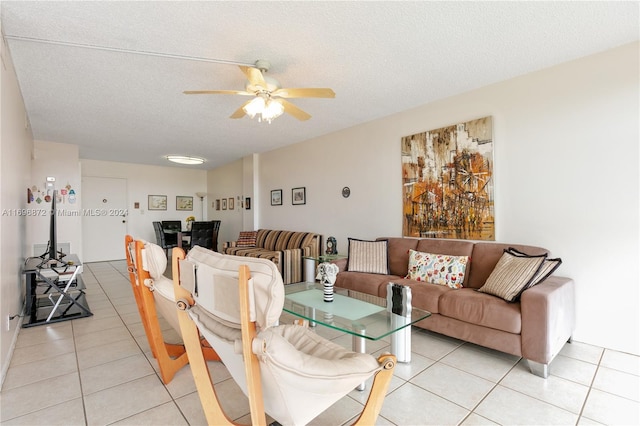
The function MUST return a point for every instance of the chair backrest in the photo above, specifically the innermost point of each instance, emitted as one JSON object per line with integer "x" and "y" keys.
{"x": 171, "y": 225}
{"x": 174, "y": 225}
{"x": 203, "y": 234}
{"x": 286, "y": 370}
{"x": 157, "y": 227}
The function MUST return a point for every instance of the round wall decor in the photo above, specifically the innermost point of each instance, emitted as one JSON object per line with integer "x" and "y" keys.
{"x": 346, "y": 192}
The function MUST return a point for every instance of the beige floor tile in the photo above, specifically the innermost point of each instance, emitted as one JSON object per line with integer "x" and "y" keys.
{"x": 69, "y": 413}
{"x": 86, "y": 341}
{"x": 621, "y": 361}
{"x": 95, "y": 325}
{"x": 407, "y": 370}
{"x": 610, "y": 409}
{"x": 339, "y": 413}
{"x": 432, "y": 346}
{"x": 583, "y": 352}
{"x": 97, "y": 355}
{"x": 48, "y": 350}
{"x": 476, "y": 420}
{"x": 48, "y": 393}
{"x": 554, "y": 390}
{"x": 44, "y": 333}
{"x": 36, "y": 371}
{"x": 165, "y": 414}
{"x": 618, "y": 383}
{"x": 509, "y": 407}
{"x": 412, "y": 405}
{"x": 486, "y": 363}
{"x": 191, "y": 408}
{"x": 125, "y": 400}
{"x": 114, "y": 373}
{"x": 454, "y": 385}
{"x": 573, "y": 369}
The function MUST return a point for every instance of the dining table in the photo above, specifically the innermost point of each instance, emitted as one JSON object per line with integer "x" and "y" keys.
{"x": 183, "y": 237}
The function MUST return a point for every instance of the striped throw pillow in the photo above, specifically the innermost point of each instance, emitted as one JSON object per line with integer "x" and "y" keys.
{"x": 247, "y": 239}
{"x": 548, "y": 266}
{"x": 512, "y": 275}
{"x": 368, "y": 256}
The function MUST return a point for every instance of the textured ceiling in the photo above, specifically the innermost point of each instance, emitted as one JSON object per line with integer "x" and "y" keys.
{"x": 379, "y": 57}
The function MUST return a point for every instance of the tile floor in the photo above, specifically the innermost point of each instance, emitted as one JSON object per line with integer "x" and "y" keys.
{"x": 98, "y": 371}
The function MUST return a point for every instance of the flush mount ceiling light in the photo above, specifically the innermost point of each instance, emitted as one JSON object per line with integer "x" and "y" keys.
{"x": 181, "y": 159}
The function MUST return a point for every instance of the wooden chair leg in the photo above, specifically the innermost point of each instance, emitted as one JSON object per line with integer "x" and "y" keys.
{"x": 213, "y": 411}
{"x": 378, "y": 391}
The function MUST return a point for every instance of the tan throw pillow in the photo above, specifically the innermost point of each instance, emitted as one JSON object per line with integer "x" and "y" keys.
{"x": 247, "y": 239}
{"x": 512, "y": 275}
{"x": 368, "y": 256}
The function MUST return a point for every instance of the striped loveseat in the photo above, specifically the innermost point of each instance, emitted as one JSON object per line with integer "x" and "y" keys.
{"x": 284, "y": 248}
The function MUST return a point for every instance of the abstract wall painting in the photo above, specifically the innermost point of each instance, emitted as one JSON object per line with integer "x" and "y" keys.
{"x": 447, "y": 182}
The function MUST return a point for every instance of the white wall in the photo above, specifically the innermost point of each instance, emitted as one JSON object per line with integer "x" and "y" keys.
{"x": 16, "y": 144}
{"x": 143, "y": 180}
{"x": 566, "y": 170}
{"x": 58, "y": 160}
{"x": 223, "y": 183}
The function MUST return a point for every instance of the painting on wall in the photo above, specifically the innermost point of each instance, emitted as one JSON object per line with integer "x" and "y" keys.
{"x": 157, "y": 202}
{"x": 184, "y": 203}
{"x": 447, "y": 182}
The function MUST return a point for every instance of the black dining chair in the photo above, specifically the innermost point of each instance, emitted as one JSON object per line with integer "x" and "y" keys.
{"x": 174, "y": 226}
{"x": 203, "y": 234}
{"x": 216, "y": 230}
{"x": 160, "y": 238}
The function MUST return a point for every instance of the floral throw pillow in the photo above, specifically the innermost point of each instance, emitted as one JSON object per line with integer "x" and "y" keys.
{"x": 442, "y": 269}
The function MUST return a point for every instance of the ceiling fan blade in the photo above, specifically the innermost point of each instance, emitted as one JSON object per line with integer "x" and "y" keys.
{"x": 254, "y": 75}
{"x": 290, "y": 108}
{"x": 239, "y": 113}
{"x": 305, "y": 93}
{"x": 217, "y": 92}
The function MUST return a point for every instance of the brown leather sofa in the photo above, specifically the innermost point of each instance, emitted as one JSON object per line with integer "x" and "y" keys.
{"x": 535, "y": 327}
{"x": 284, "y": 248}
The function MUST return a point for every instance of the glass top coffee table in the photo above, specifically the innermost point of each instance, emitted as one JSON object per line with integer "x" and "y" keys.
{"x": 364, "y": 316}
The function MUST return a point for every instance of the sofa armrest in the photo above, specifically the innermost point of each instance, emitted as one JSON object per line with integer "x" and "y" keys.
{"x": 548, "y": 318}
{"x": 228, "y": 244}
{"x": 292, "y": 265}
{"x": 342, "y": 264}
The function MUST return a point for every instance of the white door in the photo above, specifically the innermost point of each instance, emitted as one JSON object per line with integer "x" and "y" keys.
{"x": 104, "y": 218}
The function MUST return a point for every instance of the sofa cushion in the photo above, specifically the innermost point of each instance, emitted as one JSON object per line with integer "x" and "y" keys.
{"x": 363, "y": 282}
{"x": 423, "y": 296}
{"x": 247, "y": 239}
{"x": 438, "y": 269}
{"x": 484, "y": 258}
{"x": 473, "y": 307}
{"x": 368, "y": 256}
{"x": 398, "y": 249}
{"x": 512, "y": 275}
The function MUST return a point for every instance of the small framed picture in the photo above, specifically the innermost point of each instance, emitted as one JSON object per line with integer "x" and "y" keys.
{"x": 184, "y": 203}
{"x": 298, "y": 196}
{"x": 231, "y": 203}
{"x": 218, "y": 204}
{"x": 157, "y": 202}
{"x": 247, "y": 203}
{"x": 224, "y": 204}
{"x": 276, "y": 197}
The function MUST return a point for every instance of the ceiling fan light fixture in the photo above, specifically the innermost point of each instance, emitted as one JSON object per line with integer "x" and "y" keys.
{"x": 182, "y": 159}
{"x": 272, "y": 110}
{"x": 256, "y": 106}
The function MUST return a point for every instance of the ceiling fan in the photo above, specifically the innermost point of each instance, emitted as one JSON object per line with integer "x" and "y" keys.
{"x": 268, "y": 95}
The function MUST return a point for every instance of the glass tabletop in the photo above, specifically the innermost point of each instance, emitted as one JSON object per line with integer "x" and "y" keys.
{"x": 325, "y": 257}
{"x": 351, "y": 312}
